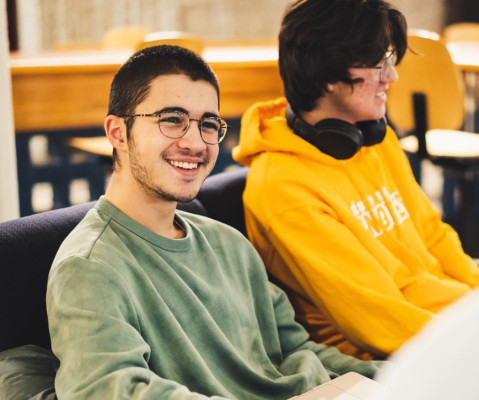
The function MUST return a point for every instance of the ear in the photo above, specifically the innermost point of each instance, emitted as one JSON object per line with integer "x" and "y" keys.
{"x": 115, "y": 130}
{"x": 330, "y": 87}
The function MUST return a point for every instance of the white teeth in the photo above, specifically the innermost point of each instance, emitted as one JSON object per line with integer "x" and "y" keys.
{"x": 184, "y": 165}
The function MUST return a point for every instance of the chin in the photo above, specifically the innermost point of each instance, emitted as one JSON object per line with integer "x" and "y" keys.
{"x": 185, "y": 198}
{"x": 176, "y": 197}
{"x": 382, "y": 113}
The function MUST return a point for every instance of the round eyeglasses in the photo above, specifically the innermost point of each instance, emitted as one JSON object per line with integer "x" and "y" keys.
{"x": 385, "y": 68}
{"x": 175, "y": 124}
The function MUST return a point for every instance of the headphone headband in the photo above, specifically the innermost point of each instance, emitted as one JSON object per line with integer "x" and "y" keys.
{"x": 335, "y": 137}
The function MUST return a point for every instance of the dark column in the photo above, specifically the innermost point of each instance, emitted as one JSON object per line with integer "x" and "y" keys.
{"x": 462, "y": 11}
{"x": 12, "y": 24}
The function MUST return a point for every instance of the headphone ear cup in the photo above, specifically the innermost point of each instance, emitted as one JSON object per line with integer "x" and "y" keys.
{"x": 337, "y": 138}
{"x": 373, "y": 131}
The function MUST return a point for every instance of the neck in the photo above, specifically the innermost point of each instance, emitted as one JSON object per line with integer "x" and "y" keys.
{"x": 325, "y": 109}
{"x": 314, "y": 116}
{"x": 147, "y": 209}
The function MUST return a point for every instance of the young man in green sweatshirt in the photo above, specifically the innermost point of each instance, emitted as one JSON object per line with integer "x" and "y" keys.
{"x": 147, "y": 302}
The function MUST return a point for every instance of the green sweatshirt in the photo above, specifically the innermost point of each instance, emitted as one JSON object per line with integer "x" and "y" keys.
{"x": 134, "y": 315}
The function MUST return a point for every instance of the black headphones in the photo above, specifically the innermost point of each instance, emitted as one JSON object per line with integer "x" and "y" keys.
{"x": 335, "y": 137}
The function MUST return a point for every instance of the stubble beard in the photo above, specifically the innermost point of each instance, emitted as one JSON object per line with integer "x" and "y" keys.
{"x": 143, "y": 178}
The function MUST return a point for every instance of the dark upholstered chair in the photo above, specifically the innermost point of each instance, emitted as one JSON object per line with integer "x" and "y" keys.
{"x": 29, "y": 244}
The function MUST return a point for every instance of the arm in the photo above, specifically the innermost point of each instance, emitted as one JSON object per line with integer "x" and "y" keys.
{"x": 441, "y": 240}
{"x": 342, "y": 276}
{"x": 444, "y": 243}
{"x": 294, "y": 338}
{"x": 97, "y": 338}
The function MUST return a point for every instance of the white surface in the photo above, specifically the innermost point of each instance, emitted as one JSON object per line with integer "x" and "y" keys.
{"x": 446, "y": 143}
{"x": 350, "y": 386}
{"x": 441, "y": 362}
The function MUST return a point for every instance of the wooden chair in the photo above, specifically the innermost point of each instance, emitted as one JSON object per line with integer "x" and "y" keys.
{"x": 465, "y": 36}
{"x": 428, "y": 101}
{"x": 176, "y": 38}
{"x": 124, "y": 37}
{"x": 426, "y": 70}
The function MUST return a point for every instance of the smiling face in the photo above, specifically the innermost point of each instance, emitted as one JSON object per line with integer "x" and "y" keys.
{"x": 165, "y": 168}
{"x": 364, "y": 101}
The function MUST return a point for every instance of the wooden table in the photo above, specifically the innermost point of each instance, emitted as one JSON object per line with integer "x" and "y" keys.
{"x": 62, "y": 90}
{"x": 465, "y": 55}
{"x": 70, "y": 89}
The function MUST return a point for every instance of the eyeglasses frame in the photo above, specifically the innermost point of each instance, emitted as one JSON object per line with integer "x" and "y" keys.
{"x": 387, "y": 61}
{"x": 222, "y": 122}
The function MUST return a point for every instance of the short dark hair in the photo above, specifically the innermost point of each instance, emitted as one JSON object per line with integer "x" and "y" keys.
{"x": 132, "y": 82}
{"x": 320, "y": 40}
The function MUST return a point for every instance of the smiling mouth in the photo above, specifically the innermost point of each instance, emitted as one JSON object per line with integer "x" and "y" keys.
{"x": 183, "y": 165}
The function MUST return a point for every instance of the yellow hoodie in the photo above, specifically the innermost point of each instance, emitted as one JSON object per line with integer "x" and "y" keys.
{"x": 361, "y": 251}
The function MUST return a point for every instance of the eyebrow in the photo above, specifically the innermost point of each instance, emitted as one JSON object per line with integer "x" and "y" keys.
{"x": 182, "y": 110}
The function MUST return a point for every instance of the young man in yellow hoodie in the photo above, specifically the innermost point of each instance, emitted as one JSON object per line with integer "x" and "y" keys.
{"x": 331, "y": 203}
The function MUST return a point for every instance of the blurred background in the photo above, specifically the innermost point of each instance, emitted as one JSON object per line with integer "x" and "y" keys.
{"x": 40, "y": 36}
{"x": 48, "y": 24}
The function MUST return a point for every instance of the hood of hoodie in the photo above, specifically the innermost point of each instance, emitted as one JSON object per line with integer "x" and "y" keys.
{"x": 264, "y": 129}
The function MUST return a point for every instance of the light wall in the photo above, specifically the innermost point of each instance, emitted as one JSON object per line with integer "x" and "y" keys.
{"x": 45, "y": 25}
{"x": 423, "y": 14}
{"x": 49, "y": 24}
{"x": 8, "y": 172}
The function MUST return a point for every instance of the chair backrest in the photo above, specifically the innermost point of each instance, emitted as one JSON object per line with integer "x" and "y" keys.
{"x": 124, "y": 37}
{"x": 176, "y": 38}
{"x": 222, "y": 197}
{"x": 461, "y": 32}
{"x": 29, "y": 244}
{"x": 27, "y": 248}
{"x": 427, "y": 68}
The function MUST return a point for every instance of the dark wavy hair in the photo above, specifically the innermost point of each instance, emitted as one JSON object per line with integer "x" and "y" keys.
{"x": 132, "y": 82}
{"x": 320, "y": 40}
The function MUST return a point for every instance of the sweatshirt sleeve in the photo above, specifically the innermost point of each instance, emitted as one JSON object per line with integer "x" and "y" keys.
{"x": 444, "y": 244}
{"x": 294, "y": 338}
{"x": 97, "y": 339}
{"x": 350, "y": 287}
{"x": 441, "y": 240}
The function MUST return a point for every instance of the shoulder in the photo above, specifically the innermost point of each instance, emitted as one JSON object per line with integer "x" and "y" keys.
{"x": 84, "y": 236}
{"x": 391, "y": 140}
{"x": 84, "y": 259}
{"x": 391, "y": 150}
{"x": 209, "y": 226}
{"x": 224, "y": 239}
{"x": 93, "y": 259}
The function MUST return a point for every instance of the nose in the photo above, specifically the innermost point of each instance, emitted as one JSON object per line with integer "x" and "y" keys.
{"x": 392, "y": 75}
{"x": 192, "y": 138}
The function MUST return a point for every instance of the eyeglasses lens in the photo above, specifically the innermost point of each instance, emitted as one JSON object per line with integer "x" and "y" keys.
{"x": 389, "y": 62}
{"x": 175, "y": 124}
